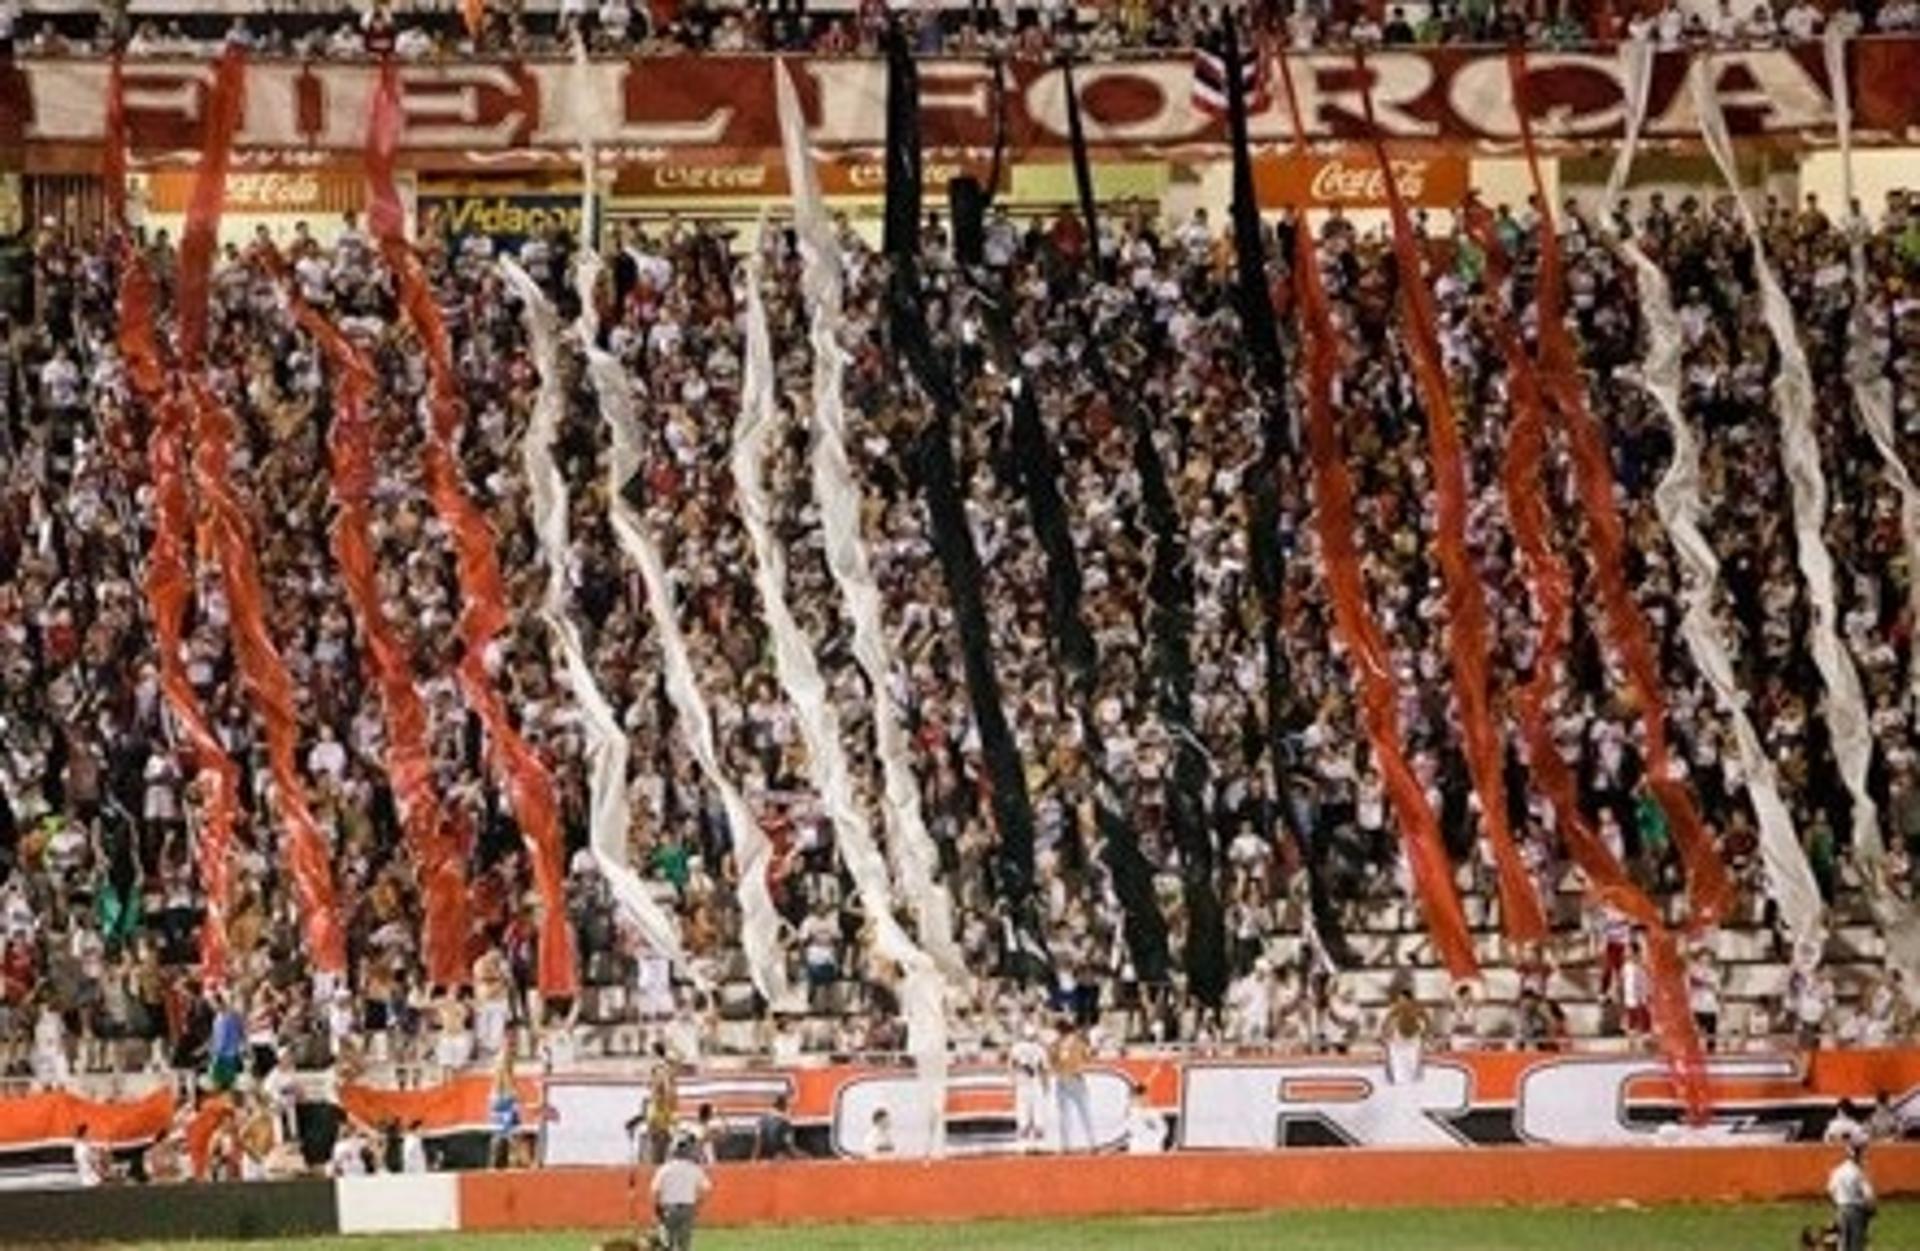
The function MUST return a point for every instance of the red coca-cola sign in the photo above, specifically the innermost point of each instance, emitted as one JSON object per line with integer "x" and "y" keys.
{"x": 1352, "y": 178}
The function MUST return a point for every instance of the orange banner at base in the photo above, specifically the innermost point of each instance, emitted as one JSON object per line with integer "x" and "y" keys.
{"x": 1353, "y": 178}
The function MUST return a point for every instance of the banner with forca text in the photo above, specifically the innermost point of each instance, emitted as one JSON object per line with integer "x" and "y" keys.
{"x": 497, "y": 116}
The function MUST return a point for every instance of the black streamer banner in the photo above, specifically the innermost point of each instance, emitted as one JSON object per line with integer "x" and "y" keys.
{"x": 1255, "y": 302}
{"x": 939, "y": 479}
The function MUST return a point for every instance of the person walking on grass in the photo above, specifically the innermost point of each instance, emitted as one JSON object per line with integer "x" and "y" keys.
{"x": 1853, "y": 1199}
{"x": 679, "y": 1187}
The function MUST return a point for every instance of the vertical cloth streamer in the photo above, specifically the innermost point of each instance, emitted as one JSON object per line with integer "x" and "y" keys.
{"x": 915, "y": 858}
{"x": 610, "y": 816}
{"x": 167, "y": 583}
{"x": 265, "y": 674}
{"x": 1278, "y": 433}
{"x": 524, "y": 777}
{"x": 1677, "y": 500}
{"x": 943, "y": 490}
{"x": 1866, "y": 361}
{"x": 1710, "y": 892}
{"x": 1354, "y": 624}
{"x": 753, "y": 852}
{"x": 437, "y": 856}
{"x": 1844, "y": 707}
{"x": 1550, "y": 585}
{"x": 1467, "y": 637}
{"x": 918, "y": 984}
{"x": 261, "y": 668}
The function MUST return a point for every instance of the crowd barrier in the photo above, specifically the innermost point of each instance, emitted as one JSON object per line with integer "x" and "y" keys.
{"x": 961, "y": 1190}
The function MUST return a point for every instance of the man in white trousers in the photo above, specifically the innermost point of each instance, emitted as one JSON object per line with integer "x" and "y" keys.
{"x": 1028, "y": 1060}
{"x": 1070, "y": 1058}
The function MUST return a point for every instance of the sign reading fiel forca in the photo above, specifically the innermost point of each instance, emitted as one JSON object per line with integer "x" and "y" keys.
{"x": 508, "y": 218}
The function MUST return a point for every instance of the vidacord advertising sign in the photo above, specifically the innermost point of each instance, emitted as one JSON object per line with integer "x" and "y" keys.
{"x": 508, "y": 218}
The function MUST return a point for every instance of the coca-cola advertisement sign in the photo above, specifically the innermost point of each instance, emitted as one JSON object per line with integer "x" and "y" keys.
{"x": 1353, "y": 178}
{"x": 265, "y": 192}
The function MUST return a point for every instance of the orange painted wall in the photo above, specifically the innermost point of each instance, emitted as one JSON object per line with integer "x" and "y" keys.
{"x": 812, "y": 1192}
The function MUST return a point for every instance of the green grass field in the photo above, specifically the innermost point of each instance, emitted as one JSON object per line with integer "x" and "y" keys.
{"x": 1730, "y": 1228}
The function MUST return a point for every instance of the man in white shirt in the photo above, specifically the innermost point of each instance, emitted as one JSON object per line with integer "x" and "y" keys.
{"x": 679, "y": 1185}
{"x": 1845, "y": 1127}
{"x": 1146, "y": 1125}
{"x": 1028, "y": 1060}
{"x": 87, "y": 1165}
{"x": 1853, "y": 1200}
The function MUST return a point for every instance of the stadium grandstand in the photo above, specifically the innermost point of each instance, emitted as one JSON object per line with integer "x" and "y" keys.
{"x": 585, "y": 583}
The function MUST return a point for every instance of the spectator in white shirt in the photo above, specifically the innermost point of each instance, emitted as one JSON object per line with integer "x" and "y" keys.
{"x": 1146, "y": 1126}
{"x": 1845, "y": 1127}
{"x": 679, "y": 1185}
{"x": 1853, "y": 1199}
{"x": 87, "y": 1163}
{"x": 880, "y": 1143}
{"x": 1802, "y": 20}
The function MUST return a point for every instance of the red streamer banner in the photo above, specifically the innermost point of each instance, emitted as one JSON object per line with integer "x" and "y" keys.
{"x": 265, "y": 676}
{"x": 167, "y": 582}
{"x": 437, "y": 854}
{"x": 522, "y": 774}
{"x": 1356, "y": 627}
{"x": 1551, "y": 587}
{"x": 200, "y": 233}
{"x": 1467, "y": 633}
{"x": 1710, "y": 890}
{"x": 168, "y": 587}
{"x": 261, "y": 668}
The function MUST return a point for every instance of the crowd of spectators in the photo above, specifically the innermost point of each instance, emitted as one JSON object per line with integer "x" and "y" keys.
{"x": 99, "y": 900}
{"x": 431, "y": 31}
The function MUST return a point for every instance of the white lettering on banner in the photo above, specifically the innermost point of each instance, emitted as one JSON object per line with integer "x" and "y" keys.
{"x": 443, "y": 109}
{"x": 1583, "y": 1102}
{"x": 1398, "y": 80}
{"x": 853, "y": 94}
{"x": 1336, "y": 182}
{"x": 710, "y": 177}
{"x": 849, "y": 93}
{"x": 273, "y": 190}
{"x": 68, "y": 96}
{"x": 1172, "y": 117}
{"x": 1783, "y": 93}
{"x": 346, "y": 101}
{"x": 903, "y": 1097}
{"x": 587, "y": 1120}
{"x": 270, "y": 114}
{"x": 1243, "y": 1107}
{"x": 1481, "y": 91}
{"x": 591, "y": 102}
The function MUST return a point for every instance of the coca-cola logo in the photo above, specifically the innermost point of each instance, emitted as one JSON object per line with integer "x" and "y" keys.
{"x": 273, "y": 191}
{"x": 1337, "y": 182}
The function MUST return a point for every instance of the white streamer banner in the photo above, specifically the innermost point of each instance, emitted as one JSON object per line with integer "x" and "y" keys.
{"x": 915, "y": 858}
{"x": 607, "y": 749}
{"x": 1845, "y": 706}
{"x": 919, "y": 984}
{"x": 1866, "y": 359}
{"x": 1789, "y": 878}
{"x": 760, "y": 923}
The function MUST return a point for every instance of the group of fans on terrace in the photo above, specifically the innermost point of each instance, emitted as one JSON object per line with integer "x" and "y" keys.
{"x": 664, "y": 27}
{"x": 100, "y": 904}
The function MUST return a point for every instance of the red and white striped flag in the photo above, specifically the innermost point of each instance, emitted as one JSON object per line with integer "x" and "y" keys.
{"x": 1210, "y": 79}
